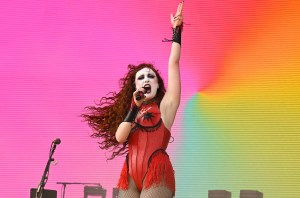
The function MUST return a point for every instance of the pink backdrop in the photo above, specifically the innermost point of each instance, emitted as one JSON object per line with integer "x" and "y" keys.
{"x": 56, "y": 58}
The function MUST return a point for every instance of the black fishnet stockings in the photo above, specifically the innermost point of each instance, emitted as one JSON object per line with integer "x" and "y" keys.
{"x": 152, "y": 192}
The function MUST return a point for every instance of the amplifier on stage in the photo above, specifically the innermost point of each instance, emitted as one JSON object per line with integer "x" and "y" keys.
{"x": 46, "y": 193}
{"x": 250, "y": 194}
{"x": 219, "y": 194}
{"x": 94, "y": 191}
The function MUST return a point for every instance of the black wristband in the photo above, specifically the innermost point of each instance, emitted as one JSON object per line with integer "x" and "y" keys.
{"x": 177, "y": 35}
{"x": 132, "y": 114}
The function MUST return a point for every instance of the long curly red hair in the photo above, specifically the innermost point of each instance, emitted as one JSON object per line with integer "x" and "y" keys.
{"x": 110, "y": 111}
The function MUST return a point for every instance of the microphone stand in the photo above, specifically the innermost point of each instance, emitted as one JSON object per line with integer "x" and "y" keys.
{"x": 40, "y": 189}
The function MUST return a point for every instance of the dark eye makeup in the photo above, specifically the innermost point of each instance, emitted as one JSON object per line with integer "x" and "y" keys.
{"x": 151, "y": 76}
{"x": 141, "y": 77}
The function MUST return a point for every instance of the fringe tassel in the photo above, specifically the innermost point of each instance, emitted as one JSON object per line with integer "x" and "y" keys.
{"x": 160, "y": 172}
{"x": 123, "y": 181}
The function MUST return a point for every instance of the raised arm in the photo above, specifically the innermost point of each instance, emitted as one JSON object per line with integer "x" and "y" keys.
{"x": 171, "y": 100}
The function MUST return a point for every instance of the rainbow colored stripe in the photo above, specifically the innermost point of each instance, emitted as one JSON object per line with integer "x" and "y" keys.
{"x": 242, "y": 129}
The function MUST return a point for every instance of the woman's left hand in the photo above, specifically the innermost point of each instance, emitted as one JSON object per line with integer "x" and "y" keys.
{"x": 177, "y": 20}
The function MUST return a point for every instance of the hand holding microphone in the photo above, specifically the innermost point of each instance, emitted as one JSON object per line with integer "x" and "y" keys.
{"x": 141, "y": 94}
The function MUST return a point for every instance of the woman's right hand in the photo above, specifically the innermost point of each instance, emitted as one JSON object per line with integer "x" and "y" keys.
{"x": 136, "y": 93}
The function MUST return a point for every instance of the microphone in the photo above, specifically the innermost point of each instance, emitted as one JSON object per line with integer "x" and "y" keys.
{"x": 56, "y": 141}
{"x": 140, "y": 94}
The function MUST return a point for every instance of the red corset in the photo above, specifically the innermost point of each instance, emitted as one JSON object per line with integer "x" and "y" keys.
{"x": 148, "y": 135}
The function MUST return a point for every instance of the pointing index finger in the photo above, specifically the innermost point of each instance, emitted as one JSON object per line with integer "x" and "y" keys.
{"x": 181, "y": 6}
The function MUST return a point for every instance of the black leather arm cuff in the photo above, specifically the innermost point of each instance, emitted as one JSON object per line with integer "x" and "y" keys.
{"x": 132, "y": 114}
{"x": 177, "y": 35}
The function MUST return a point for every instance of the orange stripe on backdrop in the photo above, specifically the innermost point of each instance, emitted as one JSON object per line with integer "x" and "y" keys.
{"x": 258, "y": 93}
{"x": 266, "y": 53}
{"x": 215, "y": 29}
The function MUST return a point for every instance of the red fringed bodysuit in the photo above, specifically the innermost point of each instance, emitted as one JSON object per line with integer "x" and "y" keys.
{"x": 147, "y": 161}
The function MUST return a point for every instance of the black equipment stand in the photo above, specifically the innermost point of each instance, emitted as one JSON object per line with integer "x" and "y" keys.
{"x": 40, "y": 188}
